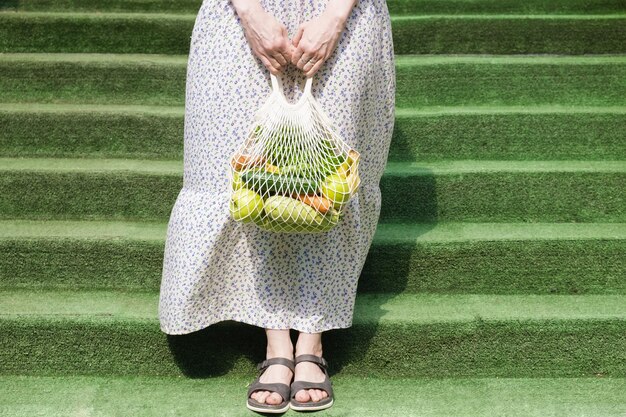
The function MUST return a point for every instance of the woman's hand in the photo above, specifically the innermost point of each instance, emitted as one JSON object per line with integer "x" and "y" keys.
{"x": 267, "y": 36}
{"x": 316, "y": 39}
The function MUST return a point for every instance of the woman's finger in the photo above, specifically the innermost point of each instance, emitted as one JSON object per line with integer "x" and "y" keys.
{"x": 311, "y": 62}
{"x": 269, "y": 65}
{"x": 283, "y": 53}
{"x": 273, "y": 62}
{"x": 315, "y": 68}
{"x": 296, "y": 39}
{"x": 279, "y": 57}
{"x": 295, "y": 55}
{"x": 303, "y": 60}
{"x": 290, "y": 50}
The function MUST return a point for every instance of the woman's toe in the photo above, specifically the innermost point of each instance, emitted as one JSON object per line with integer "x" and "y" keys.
{"x": 314, "y": 395}
{"x": 302, "y": 396}
{"x": 274, "y": 398}
{"x": 262, "y": 396}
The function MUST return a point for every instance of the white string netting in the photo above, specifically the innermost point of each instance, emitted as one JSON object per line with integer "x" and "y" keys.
{"x": 293, "y": 173}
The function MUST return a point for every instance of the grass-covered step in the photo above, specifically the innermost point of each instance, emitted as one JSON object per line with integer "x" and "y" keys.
{"x": 420, "y": 7}
{"x": 151, "y": 6}
{"x": 496, "y": 258}
{"x": 169, "y": 33}
{"x": 425, "y": 81}
{"x": 82, "y": 130}
{"x": 478, "y": 191}
{"x": 509, "y": 34}
{"x": 165, "y": 33}
{"x": 409, "y": 335}
{"x": 152, "y": 396}
{"x": 421, "y": 81}
{"x": 480, "y": 132}
{"x": 502, "y": 132}
{"x": 454, "y": 190}
{"x": 395, "y": 7}
{"x": 94, "y": 78}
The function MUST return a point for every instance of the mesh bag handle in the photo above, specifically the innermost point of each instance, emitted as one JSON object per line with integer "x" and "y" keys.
{"x": 293, "y": 173}
{"x": 277, "y": 88}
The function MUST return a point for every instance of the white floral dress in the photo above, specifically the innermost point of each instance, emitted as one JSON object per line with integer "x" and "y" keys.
{"x": 216, "y": 268}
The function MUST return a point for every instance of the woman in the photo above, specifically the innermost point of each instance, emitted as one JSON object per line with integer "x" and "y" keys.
{"x": 215, "y": 268}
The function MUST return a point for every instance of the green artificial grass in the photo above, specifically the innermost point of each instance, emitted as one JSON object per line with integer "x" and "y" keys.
{"x": 25, "y": 396}
{"x": 426, "y": 81}
{"x": 168, "y": 33}
{"x": 152, "y": 6}
{"x": 421, "y": 81}
{"x": 417, "y": 7}
{"x": 510, "y": 34}
{"x": 93, "y": 78}
{"x": 524, "y": 191}
{"x": 141, "y": 132}
{"x": 482, "y": 132}
{"x": 395, "y": 7}
{"x": 408, "y": 335}
{"x": 516, "y": 133}
{"x": 472, "y": 190}
{"x": 446, "y": 258}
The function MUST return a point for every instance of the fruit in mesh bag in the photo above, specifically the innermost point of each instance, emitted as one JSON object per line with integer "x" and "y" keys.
{"x": 346, "y": 167}
{"x": 246, "y": 205}
{"x": 236, "y": 182}
{"x": 291, "y": 211}
{"x": 268, "y": 182}
{"x": 241, "y": 161}
{"x": 327, "y": 222}
{"x": 321, "y": 204}
{"x": 336, "y": 188}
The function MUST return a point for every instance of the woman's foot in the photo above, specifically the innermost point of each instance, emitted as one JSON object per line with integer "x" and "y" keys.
{"x": 308, "y": 371}
{"x": 279, "y": 345}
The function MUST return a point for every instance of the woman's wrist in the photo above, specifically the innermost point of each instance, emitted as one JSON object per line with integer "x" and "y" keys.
{"x": 246, "y": 7}
{"x": 340, "y": 9}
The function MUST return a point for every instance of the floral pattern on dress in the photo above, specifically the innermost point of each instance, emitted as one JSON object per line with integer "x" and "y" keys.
{"x": 215, "y": 268}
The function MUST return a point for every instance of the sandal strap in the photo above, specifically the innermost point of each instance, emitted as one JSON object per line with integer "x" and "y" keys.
{"x": 312, "y": 358}
{"x": 279, "y": 387}
{"x": 326, "y": 385}
{"x": 277, "y": 360}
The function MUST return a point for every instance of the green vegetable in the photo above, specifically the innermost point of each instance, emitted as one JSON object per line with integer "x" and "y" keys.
{"x": 269, "y": 182}
{"x": 329, "y": 160}
{"x": 280, "y": 151}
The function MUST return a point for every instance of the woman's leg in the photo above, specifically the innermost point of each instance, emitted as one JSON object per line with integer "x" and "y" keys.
{"x": 310, "y": 343}
{"x": 278, "y": 345}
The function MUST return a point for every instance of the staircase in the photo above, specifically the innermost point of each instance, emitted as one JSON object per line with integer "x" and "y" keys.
{"x": 495, "y": 286}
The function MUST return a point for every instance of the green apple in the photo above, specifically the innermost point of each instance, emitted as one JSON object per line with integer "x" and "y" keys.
{"x": 291, "y": 211}
{"x": 245, "y": 205}
{"x": 273, "y": 225}
{"x": 237, "y": 182}
{"x": 328, "y": 221}
{"x": 336, "y": 188}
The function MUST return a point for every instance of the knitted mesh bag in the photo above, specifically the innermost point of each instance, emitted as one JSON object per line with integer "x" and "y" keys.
{"x": 293, "y": 173}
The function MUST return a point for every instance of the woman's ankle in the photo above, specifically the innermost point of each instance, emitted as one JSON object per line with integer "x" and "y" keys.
{"x": 279, "y": 344}
{"x": 309, "y": 344}
{"x": 279, "y": 352}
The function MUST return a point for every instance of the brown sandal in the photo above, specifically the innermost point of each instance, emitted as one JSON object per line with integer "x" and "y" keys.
{"x": 279, "y": 387}
{"x": 325, "y": 385}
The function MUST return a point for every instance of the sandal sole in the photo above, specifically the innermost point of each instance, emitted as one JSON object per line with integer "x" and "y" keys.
{"x": 316, "y": 406}
{"x": 264, "y": 409}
